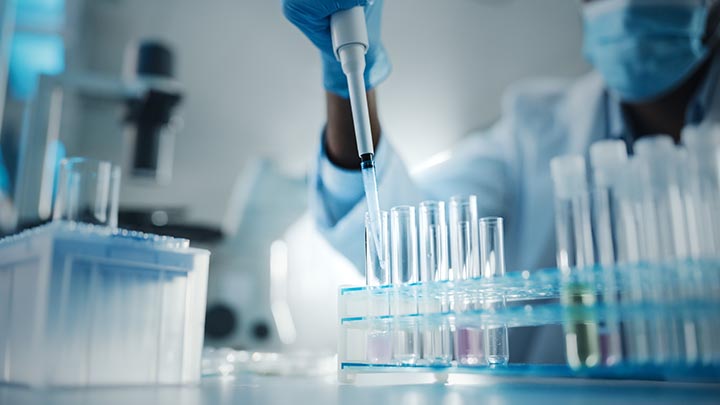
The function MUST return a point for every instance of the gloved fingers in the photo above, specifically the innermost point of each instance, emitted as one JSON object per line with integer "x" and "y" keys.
{"x": 312, "y": 17}
{"x": 373, "y": 15}
{"x": 305, "y": 10}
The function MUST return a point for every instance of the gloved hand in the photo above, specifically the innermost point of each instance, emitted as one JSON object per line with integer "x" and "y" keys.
{"x": 312, "y": 17}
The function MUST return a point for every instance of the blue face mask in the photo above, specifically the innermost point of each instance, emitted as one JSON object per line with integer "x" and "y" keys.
{"x": 644, "y": 48}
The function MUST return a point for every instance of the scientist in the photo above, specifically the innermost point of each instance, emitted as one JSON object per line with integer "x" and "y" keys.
{"x": 655, "y": 71}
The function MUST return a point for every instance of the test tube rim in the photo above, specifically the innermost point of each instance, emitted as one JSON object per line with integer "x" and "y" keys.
{"x": 431, "y": 203}
{"x": 437, "y": 207}
{"x": 492, "y": 220}
{"x": 78, "y": 161}
{"x": 464, "y": 199}
{"x": 402, "y": 209}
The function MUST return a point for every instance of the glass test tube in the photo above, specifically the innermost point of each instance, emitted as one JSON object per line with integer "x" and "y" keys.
{"x": 464, "y": 245}
{"x": 573, "y": 223}
{"x": 436, "y": 336}
{"x": 693, "y": 325}
{"x": 663, "y": 202}
{"x": 379, "y": 336}
{"x": 492, "y": 258}
{"x": 403, "y": 245}
{"x": 635, "y": 333}
{"x": 492, "y": 253}
{"x": 375, "y": 273}
{"x": 696, "y": 235}
{"x": 703, "y": 155}
{"x": 607, "y": 157}
{"x": 630, "y": 252}
{"x": 379, "y": 343}
{"x": 465, "y": 264}
{"x": 433, "y": 241}
{"x": 575, "y": 253}
{"x": 407, "y": 346}
{"x": 703, "y": 186}
{"x": 645, "y": 221}
{"x": 88, "y": 191}
{"x": 658, "y": 155}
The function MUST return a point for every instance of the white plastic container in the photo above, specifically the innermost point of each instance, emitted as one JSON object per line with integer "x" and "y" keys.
{"x": 84, "y": 305}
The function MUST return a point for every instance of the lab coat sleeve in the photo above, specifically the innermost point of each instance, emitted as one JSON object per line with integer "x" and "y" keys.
{"x": 482, "y": 164}
{"x": 337, "y": 198}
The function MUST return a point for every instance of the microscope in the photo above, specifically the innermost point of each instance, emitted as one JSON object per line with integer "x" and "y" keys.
{"x": 149, "y": 95}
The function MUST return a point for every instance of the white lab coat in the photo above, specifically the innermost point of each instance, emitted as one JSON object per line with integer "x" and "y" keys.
{"x": 507, "y": 167}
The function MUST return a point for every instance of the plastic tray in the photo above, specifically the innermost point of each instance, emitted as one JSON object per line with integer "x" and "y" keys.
{"x": 82, "y": 305}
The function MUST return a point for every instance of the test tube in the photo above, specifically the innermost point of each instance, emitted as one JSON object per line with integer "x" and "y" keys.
{"x": 628, "y": 218}
{"x": 607, "y": 158}
{"x": 88, "y": 191}
{"x": 464, "y": 245}
{"x": 465, "y": 264}
{"x": 664, "y": 204}
{"x": 492, "y": 258}
{"x": 492, "y": 253}
{"x": 378, "y": 300}
{"x": 376, "y": 271}
{"x": 379, "y": 336}
{"x": 640, "y": 220}
{"x": 436, "y": 336}
{"x": 703, "y": 155}
{"x": 433, "y": 241}
{"x": 658, "y": 155}
{"x": 573, "y": 223}
{"x": 575, "y": 250}
{"x": 697, "y": 234}
{"x": 403, "y": 245}
{"x": 407, "y": 345}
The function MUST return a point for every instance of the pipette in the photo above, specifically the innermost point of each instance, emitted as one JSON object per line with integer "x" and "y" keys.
{"x": 350, "y": 43}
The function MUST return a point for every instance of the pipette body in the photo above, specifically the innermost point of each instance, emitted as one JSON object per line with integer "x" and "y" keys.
{"x": 350, "y": 43}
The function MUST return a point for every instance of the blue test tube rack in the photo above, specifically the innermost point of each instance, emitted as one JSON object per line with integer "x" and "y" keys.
{"x": 665, "y": 317}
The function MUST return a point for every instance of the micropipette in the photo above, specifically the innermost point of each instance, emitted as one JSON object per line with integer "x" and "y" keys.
{"x": 350, "y": 43}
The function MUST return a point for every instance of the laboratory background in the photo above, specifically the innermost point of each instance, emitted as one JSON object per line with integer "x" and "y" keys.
{"x": 159, "y": 243}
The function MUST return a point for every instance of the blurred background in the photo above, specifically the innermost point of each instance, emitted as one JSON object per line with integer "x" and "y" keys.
{"x": 234, "y": 98}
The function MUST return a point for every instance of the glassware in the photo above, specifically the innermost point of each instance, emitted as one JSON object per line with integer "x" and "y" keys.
{"x": 404, "y": 264}
{"x": 464, "y": 245}
{"x": 433, "y": 241}
{"x": 575, "y": 258}
{"x": 403, "y": 245}
{"x": 376, "y": 260}
{"x": 492, "y": 257}
{"x": 88, "y": 191}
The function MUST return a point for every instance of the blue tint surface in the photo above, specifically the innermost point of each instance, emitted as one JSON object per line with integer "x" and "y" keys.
{"x": 31, "y": 55}
{"x": 4, "y": 178}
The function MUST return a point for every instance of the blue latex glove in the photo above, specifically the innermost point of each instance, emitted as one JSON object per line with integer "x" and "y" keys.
{"x": 312, "y": 17}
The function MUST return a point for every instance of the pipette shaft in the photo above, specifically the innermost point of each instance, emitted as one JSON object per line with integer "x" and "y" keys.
{"x": 350, "y": 43}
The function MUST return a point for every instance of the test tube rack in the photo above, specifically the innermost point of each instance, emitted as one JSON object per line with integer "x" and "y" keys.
{"x": 641, "y": 322}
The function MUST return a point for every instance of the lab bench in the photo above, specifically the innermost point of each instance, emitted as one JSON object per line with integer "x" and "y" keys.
{"x": 254, "y": 389}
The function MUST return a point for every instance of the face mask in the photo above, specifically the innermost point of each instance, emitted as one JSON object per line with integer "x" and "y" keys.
{"x": 644, "y": 48}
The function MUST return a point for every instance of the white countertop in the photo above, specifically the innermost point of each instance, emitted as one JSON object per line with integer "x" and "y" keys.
{"x": 251, "y": 389}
